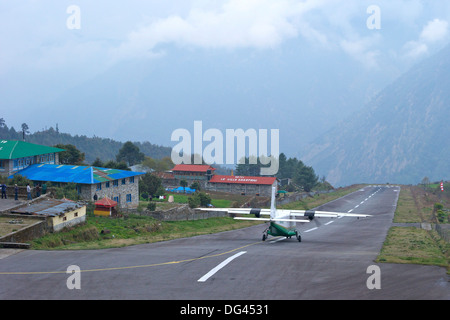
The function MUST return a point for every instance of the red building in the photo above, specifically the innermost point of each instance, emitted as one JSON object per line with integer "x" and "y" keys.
{"x": 193, "y": 172}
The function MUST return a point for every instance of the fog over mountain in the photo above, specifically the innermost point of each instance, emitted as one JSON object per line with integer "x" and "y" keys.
{"x": 138, "y": 70}
{"x": 401, "y": 136}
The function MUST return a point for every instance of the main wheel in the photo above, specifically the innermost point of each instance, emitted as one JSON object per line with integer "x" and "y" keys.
{"x": 264, "y": 237}
{"x": 299, "y": 237}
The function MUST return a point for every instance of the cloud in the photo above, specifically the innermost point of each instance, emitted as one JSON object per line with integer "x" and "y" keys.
{"x": 434, "y": 32}
{"x": 361, "y": 50}
{"x": 261, "y": 24}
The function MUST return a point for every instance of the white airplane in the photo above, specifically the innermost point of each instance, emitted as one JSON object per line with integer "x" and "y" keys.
{"x": 283, "y": 222}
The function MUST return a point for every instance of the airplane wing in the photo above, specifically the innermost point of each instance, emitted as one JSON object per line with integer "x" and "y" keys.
{"x": 325, "y": 214}
{"x": 308, "y": 214}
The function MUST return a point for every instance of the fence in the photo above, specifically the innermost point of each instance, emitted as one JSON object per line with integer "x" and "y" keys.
{"x": 443, "y": 230}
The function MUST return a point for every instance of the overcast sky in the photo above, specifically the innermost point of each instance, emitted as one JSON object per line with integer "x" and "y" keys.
{"x": 49, "y": 47}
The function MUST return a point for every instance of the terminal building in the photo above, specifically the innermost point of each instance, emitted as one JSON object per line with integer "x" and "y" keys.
{"x": 209, "y": 181}
{"x": 260, "y": 186}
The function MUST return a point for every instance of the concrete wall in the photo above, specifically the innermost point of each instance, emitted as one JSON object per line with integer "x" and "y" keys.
{"x": 36, "y": 230}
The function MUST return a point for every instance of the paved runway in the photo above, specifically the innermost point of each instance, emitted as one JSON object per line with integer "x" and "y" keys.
{"x": 331, "y": 262}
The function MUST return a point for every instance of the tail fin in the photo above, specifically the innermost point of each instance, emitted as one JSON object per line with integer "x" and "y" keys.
{"x": 273, "y": 209}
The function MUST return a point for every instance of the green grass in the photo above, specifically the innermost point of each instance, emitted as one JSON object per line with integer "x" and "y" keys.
{"x": 320, "y": 199}
{"x": 413, "y": 245}
{"x": 107, "y": 232}
{"x": 406, "y": 211}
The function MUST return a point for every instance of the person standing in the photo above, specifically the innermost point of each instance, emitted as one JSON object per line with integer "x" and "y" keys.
{"x": 29, "y": 192}
{"x": 4, "y": 191}
{"x": 16, "y": 192}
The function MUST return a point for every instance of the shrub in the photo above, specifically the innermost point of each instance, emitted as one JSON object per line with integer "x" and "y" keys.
{"x": 151, "y": 206}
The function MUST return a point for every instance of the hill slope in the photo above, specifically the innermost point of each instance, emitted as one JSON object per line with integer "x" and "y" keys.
{"x": 401, "y": 136}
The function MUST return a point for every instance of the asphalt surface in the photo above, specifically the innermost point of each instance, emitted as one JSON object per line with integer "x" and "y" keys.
{"x": 331, "y": 262}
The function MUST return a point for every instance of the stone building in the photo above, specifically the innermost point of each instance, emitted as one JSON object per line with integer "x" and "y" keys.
{"x": 261, "y": 186}
{"x": 92, "y": 183}
{"x": 193, "y": 173}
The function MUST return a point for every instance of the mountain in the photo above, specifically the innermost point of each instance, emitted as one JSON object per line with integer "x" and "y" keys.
{"x": 400, "y": 136}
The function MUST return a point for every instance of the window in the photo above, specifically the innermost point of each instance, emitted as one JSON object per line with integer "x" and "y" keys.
{"x": 123, "y": 181}
{"x": 129, "y": 197}
{"x": 107, "y": 184}
{"x": 115, "y": 183}
{"x": 116, "y": 199}
{"x": 131, "y": 179}
{"x": 99, "y": 186}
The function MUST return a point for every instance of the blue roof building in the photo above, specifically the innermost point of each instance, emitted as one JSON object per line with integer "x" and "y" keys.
{"x": 92, "y": 182}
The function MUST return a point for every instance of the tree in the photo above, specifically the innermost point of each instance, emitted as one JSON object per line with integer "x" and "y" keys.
{"x": 158, "y": 165}
{"x": 199, "y": 199}
{"x": 130, "y": 154}
{"x": 425, "y": 182}
{"x": 70, "y": 155}
{"x": 97, "y": 163}
{"x": 149, "y": 183}
{"x": 116, "y": 165}
{"x": 305, "y": 177}
{"x": 249, "y": 166}
{"x": 184, "y": 184}
{"x": 25, "y": 130}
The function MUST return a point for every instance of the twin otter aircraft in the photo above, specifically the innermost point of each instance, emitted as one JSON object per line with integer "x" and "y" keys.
{"x": 283, "y": 222}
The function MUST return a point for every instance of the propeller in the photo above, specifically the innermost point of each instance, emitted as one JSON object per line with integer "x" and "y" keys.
{"x": 310, "y": 214}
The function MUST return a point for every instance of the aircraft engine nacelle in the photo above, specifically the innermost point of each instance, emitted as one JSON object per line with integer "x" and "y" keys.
{"x": 310, "y": 214}
{"x": 256, "y": 212}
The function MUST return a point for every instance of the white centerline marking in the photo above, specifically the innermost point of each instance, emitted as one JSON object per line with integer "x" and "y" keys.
{"x": 311, "y": 230}
{"x": 220, "y": 266}
{"x": 276, "y": 240}
{"x": 329, "y": 223}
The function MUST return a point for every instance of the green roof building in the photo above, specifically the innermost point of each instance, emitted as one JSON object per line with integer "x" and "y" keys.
{"x": 18, "y": 155}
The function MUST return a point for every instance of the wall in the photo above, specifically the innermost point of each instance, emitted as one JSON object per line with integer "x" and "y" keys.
{"x": 89, "y": 190}
{"x": 36, "y": 230}
{"x": 237, "y": 188}
{"x": 182, "y": 213}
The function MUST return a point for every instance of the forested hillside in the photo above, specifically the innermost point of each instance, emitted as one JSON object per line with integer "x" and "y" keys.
{"x": 93, "y": 147}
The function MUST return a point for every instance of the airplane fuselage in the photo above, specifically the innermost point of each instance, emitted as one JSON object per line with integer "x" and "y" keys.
{"x": 281, "y": 229}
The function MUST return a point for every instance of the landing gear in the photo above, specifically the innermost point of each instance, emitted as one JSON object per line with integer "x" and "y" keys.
{"x": 298, "y": 236}
{"x": 265, "y": 234}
